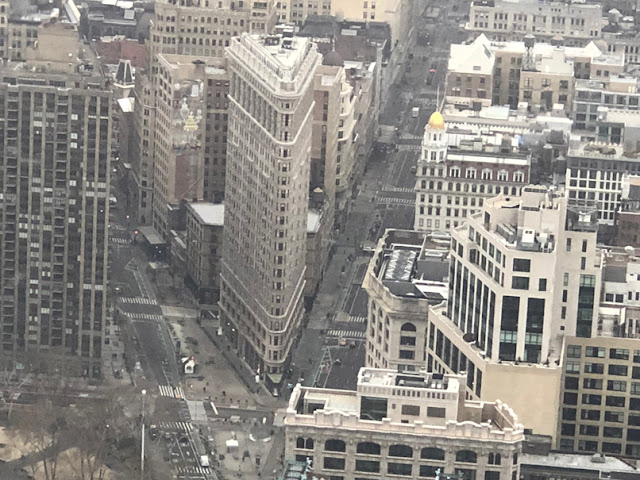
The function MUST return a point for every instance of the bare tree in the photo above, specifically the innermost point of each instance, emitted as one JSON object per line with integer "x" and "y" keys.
{"x": 13, "y": 377}
{"x": 43, "y": 430}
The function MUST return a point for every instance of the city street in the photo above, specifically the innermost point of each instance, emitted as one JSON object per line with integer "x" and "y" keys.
{"x": 385, "y": 199}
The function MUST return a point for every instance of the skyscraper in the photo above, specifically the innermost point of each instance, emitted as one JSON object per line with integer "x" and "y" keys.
{"x": 268, "y": 159}
{"x": 54, "y": 204}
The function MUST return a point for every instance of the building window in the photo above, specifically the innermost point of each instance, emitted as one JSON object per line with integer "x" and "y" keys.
{"x": 368, "y": 448}
{"x": 520, "y": 283}
{"x": 334, "y": 445}
{"x": 369, "y": 466}
{"x": 466, "y": 456}
{"x": 542, "y": 285}
{"x": 399, "y": 468}
{"x": 521, "y": 265}
{"x": 401, "y": 451}
{"x": 574, "y": 351}
{"x": 432, "y": 453}
{"x": 331, "y": 463}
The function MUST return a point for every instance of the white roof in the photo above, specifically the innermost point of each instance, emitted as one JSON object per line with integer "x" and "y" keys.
{"x": 209, "y": 213}
{"x": 127, "y": 104}
{"x": 476, "y": 57}
{"x": 313, "y": 221}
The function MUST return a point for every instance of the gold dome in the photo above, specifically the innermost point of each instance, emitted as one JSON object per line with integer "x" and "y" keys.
{"x": 436, "y": 122}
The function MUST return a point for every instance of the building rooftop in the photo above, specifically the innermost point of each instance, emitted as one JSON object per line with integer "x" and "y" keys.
{"x": 209, "y": 213}
{"x": 476, "y": 57}
{"x": 413, "y": 265}
{"x": 326, "y": 408}
{"x": 577, "y": 461}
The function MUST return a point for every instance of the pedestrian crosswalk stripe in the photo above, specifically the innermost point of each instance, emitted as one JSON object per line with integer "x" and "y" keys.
{"x": 357, "y": 319}
{"x": 138, "y": 300}
{"x": 399, "y": 189}
{"x": 403, "y": 201}
{"x": 409, "y": 147}
{"x": 180, "y": 426}
{"x": 118, "y": 227}
{"x": 172, "y": 392}
{"x": 145, "y": 316}
{"x": 345, "y": 334}
{"x": 119, "y": 240}
{"x": 201, "y": 470}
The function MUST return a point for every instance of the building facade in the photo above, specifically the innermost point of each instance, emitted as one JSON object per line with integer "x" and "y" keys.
{"x": 407, "y": 273}
{"x": 205, "y": 223}
{"x": 55, "y": 181}
{"x": 576, "y": 23}
{"x": 458, "y": 169}
{"x": 402, "y": 426}
{"x": 268, "y": 158}
{"x": 523, "y": 274}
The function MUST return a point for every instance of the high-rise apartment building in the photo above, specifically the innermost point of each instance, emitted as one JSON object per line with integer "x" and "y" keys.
{"x": 524, "y": 274}
{"x": 405, "y": 426}
{"x": 266, "y": 200}
{"x": 54, "y": 204}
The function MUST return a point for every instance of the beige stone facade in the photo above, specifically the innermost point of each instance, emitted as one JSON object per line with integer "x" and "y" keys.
{"x": 266, "y": 201}
{"x": 402, "y": 426}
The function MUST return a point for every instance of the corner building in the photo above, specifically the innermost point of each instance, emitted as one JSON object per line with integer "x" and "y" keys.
{"x": 402, "y": 426}
{"x": 268, "y": 162}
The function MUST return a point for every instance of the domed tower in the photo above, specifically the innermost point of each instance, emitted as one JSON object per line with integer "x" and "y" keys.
{"x": 434, "y": 152}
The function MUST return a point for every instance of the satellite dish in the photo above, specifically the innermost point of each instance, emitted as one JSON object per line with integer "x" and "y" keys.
{"x": 629, "y": 250}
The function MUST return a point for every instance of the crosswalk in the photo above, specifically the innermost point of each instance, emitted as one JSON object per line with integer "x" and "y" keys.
{"x": 357, "y": 319}
{"x": 345, "y": 334}
{"x": 176, "y": 426}
{"x": 403, "y": 201}
{"x": 172, "y": 392}
{"x": 399, "y": 189}
{"x": 146, "y": 316}
{"x": 409, "y": 148}
{"x": 410, "y": 136}
{"x": 192, "y": 470}
{"x": 120, "y": 228}
{"x": 138, "y": 300}
{"x": 121, "y": 241}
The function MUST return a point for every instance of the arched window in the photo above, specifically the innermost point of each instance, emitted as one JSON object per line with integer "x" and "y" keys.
{"x": 432, "y": 453}
{"x": 408, "y": 327}
{"x": 450, "y": 186}
{"x": 300, "y": 442}
{"x": 498, "y": 459}
{"x": 308, "y": 444}
{"x": 457, "y": 187}
{"x": 335, "y": 445}
{"x": 400, "y": 451}
{"x": 439, "y": 185}
{"x": 368, "y": 448}
{"x": 431, "y": 185}
{"x": 423, "y": 184}
{"x": 466, "y": 456}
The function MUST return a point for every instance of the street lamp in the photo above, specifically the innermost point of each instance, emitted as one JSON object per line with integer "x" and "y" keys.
{"x": 144, "y": 393}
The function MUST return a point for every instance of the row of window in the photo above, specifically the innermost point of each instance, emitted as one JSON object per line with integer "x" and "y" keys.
{"x": 400, "y": 451}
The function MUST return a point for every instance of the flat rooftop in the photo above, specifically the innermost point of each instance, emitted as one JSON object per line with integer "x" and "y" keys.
{"x": 209, "y": 213}
{"x": 413, "y": 265}
{"x": 576, "y": 461}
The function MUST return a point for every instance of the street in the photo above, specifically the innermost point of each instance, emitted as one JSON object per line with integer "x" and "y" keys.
{"x": 385, "y": 199}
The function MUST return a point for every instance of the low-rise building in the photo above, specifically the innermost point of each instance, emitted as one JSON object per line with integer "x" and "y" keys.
{"x": 540, "y": 74}
{"x": 628, "y": 217}
{"x": 501, "y": 20}
{"x": 594, "y": 175}
{"x": 460, "y": 167}
{"x": 205, "y": 223}
{"x": 407, "y": 273}
{"x": 403, "y": 426}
